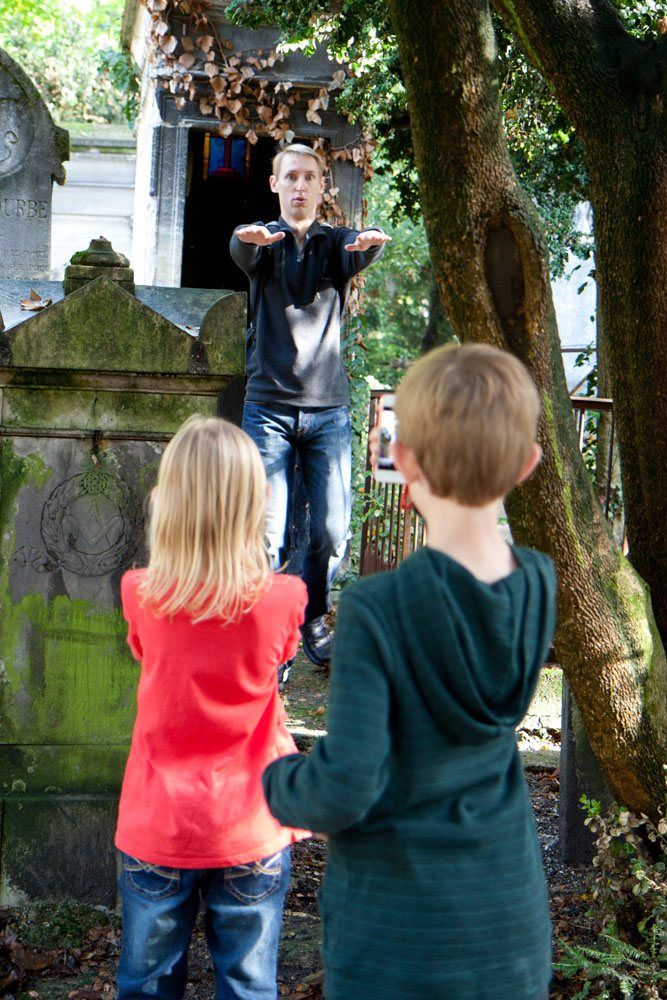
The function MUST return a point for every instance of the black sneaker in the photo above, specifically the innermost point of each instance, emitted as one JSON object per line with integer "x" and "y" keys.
{"x": 283, "y": 674}
{"x": 317, "y": 642}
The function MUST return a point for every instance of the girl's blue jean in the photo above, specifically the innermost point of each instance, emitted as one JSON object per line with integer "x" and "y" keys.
{"x": 244, "y": 907}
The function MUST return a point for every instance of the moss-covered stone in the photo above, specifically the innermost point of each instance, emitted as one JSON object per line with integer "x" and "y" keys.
{"x": 71, "y": 523}
{"x": 67, "y": 409}
{"x": 59, "y": 853}
{"x": 70, "y": 673}
{"x": 55, "y": 769}
{"x": 101, "y": 327}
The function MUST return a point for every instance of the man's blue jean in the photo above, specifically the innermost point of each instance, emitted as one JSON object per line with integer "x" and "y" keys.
{"x": 322, "y": 438}
{"x": 244, "y": 907}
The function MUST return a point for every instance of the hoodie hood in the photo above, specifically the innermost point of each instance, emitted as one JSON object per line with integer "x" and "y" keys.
{"x": 476, "y": 648}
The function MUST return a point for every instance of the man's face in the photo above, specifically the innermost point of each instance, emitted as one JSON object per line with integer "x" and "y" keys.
{"x": 299, "y": 186}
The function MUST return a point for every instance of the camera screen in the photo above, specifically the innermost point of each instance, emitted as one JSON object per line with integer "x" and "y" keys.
{"x": 387, "y": 436}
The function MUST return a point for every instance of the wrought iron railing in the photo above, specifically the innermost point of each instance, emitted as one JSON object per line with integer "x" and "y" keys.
{"x": 390, "y": 532}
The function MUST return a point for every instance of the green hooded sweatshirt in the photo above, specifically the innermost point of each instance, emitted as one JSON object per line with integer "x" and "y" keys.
{"x": 434, "y": 885}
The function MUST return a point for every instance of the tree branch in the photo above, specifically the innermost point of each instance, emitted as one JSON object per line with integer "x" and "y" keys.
{"x": 584, "y": 39}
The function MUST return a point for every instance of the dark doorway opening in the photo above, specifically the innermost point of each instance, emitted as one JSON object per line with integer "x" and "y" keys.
{"x": 227, "y": 184}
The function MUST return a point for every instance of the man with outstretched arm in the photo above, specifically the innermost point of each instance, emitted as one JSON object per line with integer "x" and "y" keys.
{"x": 297, "y": 395}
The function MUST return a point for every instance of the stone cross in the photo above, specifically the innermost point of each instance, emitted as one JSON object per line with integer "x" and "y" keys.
{"x": 32, "y": 150}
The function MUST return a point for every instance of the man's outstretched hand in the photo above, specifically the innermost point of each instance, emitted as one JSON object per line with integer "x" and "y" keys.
{"x": 368, "y": 239}
{"x": 259, "y": 236}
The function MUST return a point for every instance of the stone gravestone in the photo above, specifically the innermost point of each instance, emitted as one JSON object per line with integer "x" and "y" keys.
{"x": 32, "y": 150}
{"x": 91, "y": 388}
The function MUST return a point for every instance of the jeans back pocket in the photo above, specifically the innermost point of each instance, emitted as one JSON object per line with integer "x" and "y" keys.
{"x": 254, "y": 881}
{"x": 151, "y": 881}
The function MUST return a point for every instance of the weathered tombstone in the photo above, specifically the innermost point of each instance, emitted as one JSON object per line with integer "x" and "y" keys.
{"x": 580, "y": 774}
{"x": 32, "y": 150}
{"x": 91, "y": 389}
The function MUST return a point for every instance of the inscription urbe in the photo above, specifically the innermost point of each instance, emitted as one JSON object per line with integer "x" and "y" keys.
{"x": 23, "y": 208}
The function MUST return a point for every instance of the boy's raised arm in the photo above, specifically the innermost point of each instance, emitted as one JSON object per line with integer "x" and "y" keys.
{"x": 336, "y": 785}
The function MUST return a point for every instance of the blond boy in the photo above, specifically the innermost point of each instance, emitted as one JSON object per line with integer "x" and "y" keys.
{"x": 434, "y": 886}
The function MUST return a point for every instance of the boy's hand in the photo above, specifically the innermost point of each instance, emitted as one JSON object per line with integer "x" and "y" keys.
{"x": 259, "y": 236}
{"x": 368, "y": 239}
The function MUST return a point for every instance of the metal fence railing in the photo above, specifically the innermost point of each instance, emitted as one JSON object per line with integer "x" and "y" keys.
{"x": 390, "y": 532}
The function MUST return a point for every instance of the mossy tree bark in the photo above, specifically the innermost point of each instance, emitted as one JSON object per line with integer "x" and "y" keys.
{"x": 491, "y": 265}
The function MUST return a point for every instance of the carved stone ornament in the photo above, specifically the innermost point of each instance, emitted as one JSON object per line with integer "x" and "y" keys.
{"x": 88, "y": 524}
{"x": 17, "y": 125}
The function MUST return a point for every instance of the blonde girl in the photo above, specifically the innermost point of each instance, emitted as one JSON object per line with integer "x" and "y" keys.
{"x": 209, "y": 623}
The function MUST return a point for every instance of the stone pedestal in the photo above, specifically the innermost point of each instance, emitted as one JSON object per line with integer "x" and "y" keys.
{"x": 99, "y": 260}
{"x": 32, "y": 150}
{"x": 91, "y": 389}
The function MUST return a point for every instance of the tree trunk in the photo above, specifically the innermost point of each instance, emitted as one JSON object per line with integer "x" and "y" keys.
{"x": 612, "y": 87}
{"x": 438, "y": 330}
{"x": 491, "y": 264}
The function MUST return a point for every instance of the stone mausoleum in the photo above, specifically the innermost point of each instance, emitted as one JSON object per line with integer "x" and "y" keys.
{"x": 91, "y": 388}
{"x": 193, "y": 186}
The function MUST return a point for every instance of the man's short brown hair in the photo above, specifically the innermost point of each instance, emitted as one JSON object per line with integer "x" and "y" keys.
{"x": 469, "y": 414}
{"x": 298, "y": 149}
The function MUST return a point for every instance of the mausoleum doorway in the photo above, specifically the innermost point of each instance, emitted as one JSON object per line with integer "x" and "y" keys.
{"x": 227, "y": 184}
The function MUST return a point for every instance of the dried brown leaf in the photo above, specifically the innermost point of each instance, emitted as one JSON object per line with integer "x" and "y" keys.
{"x": 168, "y": 43}
{"x": 186, "y": 60}
{"x": 34, "y": 302}
{"x": 252, "y": 136}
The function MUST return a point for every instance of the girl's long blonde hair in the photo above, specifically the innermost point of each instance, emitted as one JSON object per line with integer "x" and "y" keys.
{"x": 208, "y": 555}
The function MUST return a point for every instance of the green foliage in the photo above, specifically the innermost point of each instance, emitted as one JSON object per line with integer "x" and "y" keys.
{"x": 397, "y": 292}
{"x": 640, "y": 17}
{"x": 546, "y": 153}
{"x": 72, "y": 54}
{"x": 630, "y": 897}
{"x": 628, "y": 971}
